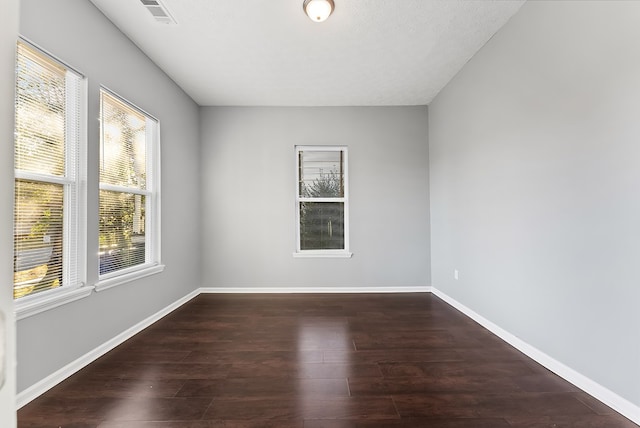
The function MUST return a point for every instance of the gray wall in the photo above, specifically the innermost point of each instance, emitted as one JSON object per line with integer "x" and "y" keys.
{"x": 534, "y": 151}
{"x": 248, "y": 168}
{"x": 8, "y": 34}
{"x": 76, "y": 32}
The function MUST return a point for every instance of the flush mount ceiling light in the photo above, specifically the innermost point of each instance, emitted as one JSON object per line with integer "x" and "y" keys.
{"x": 318, "y": 10}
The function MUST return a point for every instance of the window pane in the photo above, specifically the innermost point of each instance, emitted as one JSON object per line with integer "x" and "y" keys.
{"x": 123, "y": 145}
{"x": 321, "y": 174}
{"x": 321, "y": 225}
{"x": 40, "y": 113}
{"x": 38, "y": 232}
{"x": 122, "y": 230}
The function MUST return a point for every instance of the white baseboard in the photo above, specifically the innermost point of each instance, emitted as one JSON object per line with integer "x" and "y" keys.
{"x": 58, "y": 376}
{"x": 619, "y": 404}
{"x": 608, "y": 397}
{"x": 299, "y": 290}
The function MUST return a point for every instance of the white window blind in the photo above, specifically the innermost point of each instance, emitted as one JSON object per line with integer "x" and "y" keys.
{"x": 322, "y": 209}
{"x": 47, "y": 166}
{"x": 128, "y": 190}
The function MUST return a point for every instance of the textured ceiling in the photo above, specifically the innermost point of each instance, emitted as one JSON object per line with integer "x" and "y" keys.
{"x": 268, "y": 53}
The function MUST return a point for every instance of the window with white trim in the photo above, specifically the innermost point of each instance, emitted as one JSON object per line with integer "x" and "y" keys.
{"x": 49, "y": 208}
{"x": 322, "y": 201}
{"x": 129, "y": 235}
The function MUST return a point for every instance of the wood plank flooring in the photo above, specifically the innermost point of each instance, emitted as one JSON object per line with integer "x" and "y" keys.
{"x": 316, "y": 361}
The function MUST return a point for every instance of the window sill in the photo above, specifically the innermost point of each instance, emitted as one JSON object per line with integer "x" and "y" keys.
{"x": 32, "y": 305}
{"x": 323, "y": 254}
{"x": 105, "y": 284}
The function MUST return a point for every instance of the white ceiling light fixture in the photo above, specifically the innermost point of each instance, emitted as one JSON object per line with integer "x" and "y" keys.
{"x": 318, "y": 10}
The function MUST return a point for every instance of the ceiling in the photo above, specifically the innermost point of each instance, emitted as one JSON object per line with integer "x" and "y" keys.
{"x": 269, "y": 53}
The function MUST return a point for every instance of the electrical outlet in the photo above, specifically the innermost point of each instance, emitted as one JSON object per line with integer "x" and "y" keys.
{"x": 455, "y": 274}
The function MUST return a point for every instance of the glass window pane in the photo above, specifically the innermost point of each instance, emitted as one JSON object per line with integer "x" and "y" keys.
{"x": 321, "y": 174}
{"x": 123, "y": 144}
{"x": 40, "y": 113}
{"x": 122, "y": 230}
{"x": 321, "y": 225}
{"x": 38, "y": 234}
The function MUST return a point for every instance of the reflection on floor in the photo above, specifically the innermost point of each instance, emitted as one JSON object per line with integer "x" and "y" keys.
{"x": 316, "y": 361}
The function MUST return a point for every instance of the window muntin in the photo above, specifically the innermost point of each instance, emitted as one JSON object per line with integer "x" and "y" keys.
{"x": 47, "y": 212}
{"x": 128, "y": 194}
{"x": 322, "y": 200}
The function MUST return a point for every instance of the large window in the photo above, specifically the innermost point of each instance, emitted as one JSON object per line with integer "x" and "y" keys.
{"x": 129, "y": 189}
{"x": 322, "y": 202}
{"x": 48, "y": 209}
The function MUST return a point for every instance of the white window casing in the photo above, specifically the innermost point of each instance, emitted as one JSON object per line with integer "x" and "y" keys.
{"x": 50, "y": 147}
{"x": 129, "y": 235}
{"x": 322, "y": 202}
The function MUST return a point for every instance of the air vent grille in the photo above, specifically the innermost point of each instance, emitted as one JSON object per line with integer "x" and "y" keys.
{"x": 158, "y": 11}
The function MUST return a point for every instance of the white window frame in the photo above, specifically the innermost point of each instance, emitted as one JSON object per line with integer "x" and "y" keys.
{"x": 75, "y": 199}
{"x": 342, "y": 253}
{"x": 151, "y": 192}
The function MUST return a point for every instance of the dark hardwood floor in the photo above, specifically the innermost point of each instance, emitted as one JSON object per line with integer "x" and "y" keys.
{"x": 316, "y": 361}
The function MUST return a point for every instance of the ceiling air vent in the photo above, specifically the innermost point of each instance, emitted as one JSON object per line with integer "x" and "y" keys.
{"x": 158, "y": 11}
